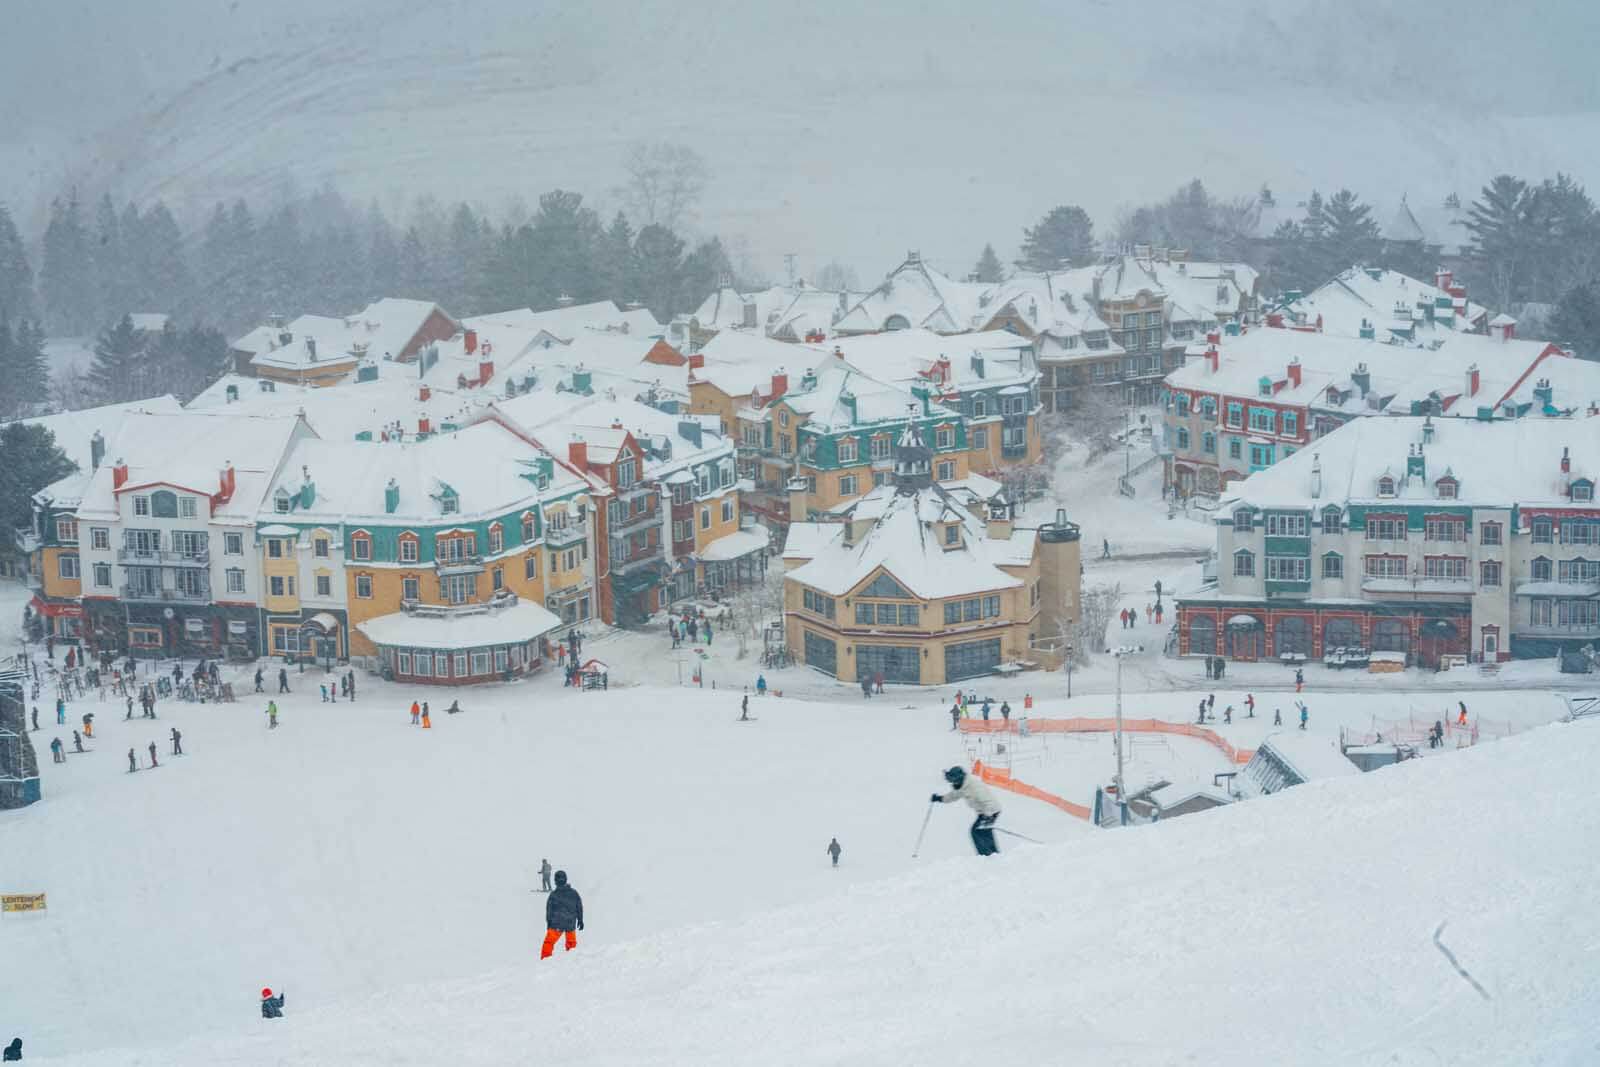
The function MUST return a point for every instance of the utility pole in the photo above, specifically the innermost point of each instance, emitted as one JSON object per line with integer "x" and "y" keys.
{"x": 1122, "y": 792}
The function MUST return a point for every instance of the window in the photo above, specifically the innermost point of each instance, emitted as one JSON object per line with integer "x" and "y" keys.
{"x": 972, "y": 609}
{"x": 626, "y": 472}
{"x": 501, "y": 662}
{"x": 361, "y": 547}
{"x": 1291, "y": 424}
{"x": 1208, "y": 442}
{"x": 275, "y": 585}
{"x": 497, "y": 538}
{"x": 422, "y": 663}
{"x": 817, "y": 603}
{"x": 1386, "y": 486}
{"x": 102, "y": 575}
{"x": 885, "y": 586}
{"x": 1288, "y": 569}
{"x": 1543, "y": 531}
{"x": 233, "y": 544}
{"x": 1446, "y": 488}
{"x": 144, "y": 636}
{"x": 1576, "y": 532}
{"x": 944, "y": 437}
{"x": 1183, "y": 438}
{"x": 403, "y": 663}
{"x": 1385, "y": 566}
{"x": 1279, "y": 525}
{"x": 866, "y": 613}
{"x": 980, "y": 406}
{"x": 727, "y": 511}
{"x": 1208, "y": 407}
{"x": 234, "y": 577}
{"x": 1386, "y": 528}
{"x": 881, "y": 446}
{"x": 527, "y": 527}
{"x": 1181, "y": 400}
{"x": 1582, "y": 492}
{"x": 530, "y": 566}
{"x": 449, "y": 503}
{"x": 1242, "y": 521}
{"x": 324, "y": 585}
{"x": 1444, "y": 530}
{"x": 480, "y": 662}
{"x": 1263, "y": 419}
{"x": 1489, "y": 533}
{"x": 1260, "y": 456}
{"x": 946, "y": 471}
{"x": 1489, "y": 572}
{"x": 849, "y": 450}
{"x": 1332, "y": 565}
{"x": 1332, "y": 522}
{"x": 952, "y": 534}
{"x": 498, "y": 578}
{"x": 67, "y": 565}
{"x": 320, "y": 547}
{"x": 1244, "y": 564}
{"x": 682, "y": 529}
{"x": 1541, "y": 569}
{"x": 460, "y": 664}
{"x": 705, "y": 512}
{"x": 280, "y": 502}
{"x": 141, "y": 505}
{"x": 100, "y": 537}
{"x": 783, "y": 418}
{"x": 364, "y": 586}
{"x": 458, "y": 588}
{"x": 847, "y": 486}
{"x": 410, "y": 588}
{"x": 274, "y": 548}
{"x": 1578, "y": 570}
{"x": 1235, "y": 449}
{"x": 66, "y": 530}
{"x": 186, "y": 507}
{"x": 980, "y": 438}
{"x": 1444, "y": 567}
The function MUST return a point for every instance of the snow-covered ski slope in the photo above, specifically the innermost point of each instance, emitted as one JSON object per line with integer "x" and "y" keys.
{"x": 831, "y": 129}
{"x": 380, "y": 874}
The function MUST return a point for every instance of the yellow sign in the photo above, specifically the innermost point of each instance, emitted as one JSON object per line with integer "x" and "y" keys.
{"x": 22, "y": 902}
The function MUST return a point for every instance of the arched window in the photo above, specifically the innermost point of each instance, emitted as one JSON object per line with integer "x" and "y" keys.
{"x": 1332, "y": 565}
{"x": 1391, "y": 635}
{"x": 1203, "y": 636}
{"x": 164, "y": 504}
{"x": 1244, "y": 564}
{"x": 1341, "y": 633}
{"x": 1386, "y": 486}
{"x": 1332, "y": 521}
{"x": 1292, "y": 633}
{"x": 897, "y": 322}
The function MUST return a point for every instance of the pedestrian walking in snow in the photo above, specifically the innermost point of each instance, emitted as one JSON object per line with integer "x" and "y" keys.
{"x": 36, "y": 716}
{"x": 1461, "y": 720}
{"x": 761, "y": 685}
{"x": 259, "y": 675}
{"x": 1436, "y": 735}
{"x": 1005, "y": 711}
{"x": 77, "y": 742}
{"x": 1305, "y": 714}
{"x": 324, "y": 689}
{"x": 544, "y": 875}
{"x": 426, "y": 724}
{"x": 834, "y": 850}
{"x": 61, "y": 711}
{"x": 866, "y": 686}
{"x": 1227, "y": 715}
{"x": 955, "y": 717}
{"x": 1201, "y": 715}
{"x": 272, "y": 714}
{"x": 351, "y": 677}
{"x": 57, "y": 751}
{"x": 1250, "y": 705}
{"x": 177, "y": 742}
{"x": 1149, "y": 613}
{"x": 970, "y": 788}
{"x": 153, "y": 754}
{"x": 1208, "y": 666}
{"x": 1158, "y": 613}
{"x": 283, "y": 679}
{"x": 128, "y": 716}
{"x": 1299, "y": 679}
{"x": 744, "y": 708}
{"x": 416, "y": 713}
{"x": 133, "y": 761}
{"x": 708, "y": 632}
{"x": 1277, "y": 716}
{"x": 877, "y": 682}
{"x": 271, "y": 1006}
{"x": 986, "y": 703}
{"x": 1105, "y": 548}
{"x": 563, "y": 914}
{"x": 1211, "y": 704}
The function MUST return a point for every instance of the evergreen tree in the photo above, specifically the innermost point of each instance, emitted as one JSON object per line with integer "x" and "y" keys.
{"x": 1064, "y": 237}
{"x": 700, "y": 271}
{"x": 383, "y": 255}
{"x": 464, "y": 260}
{"x": 414, "y": 270}
{"x": 659, "y": 255}
{"x": 161, "y": 261}
{"x": 989, "y": 270}
{"x": 66, "y": 274}
{"x": 118, "y": 372}
{"x": 506, "y": 283}
{"x": 16, "y": 275}
{"x": 1497, "y": 224}
{"x": 619, "y": 276}
{"x": 1349, "y": 234}
{"x": 32, "y": 462}
{"x": 26, "y": 373}
{"x": 1576, "y": 320}
{"x": 566, "y": 236}
{"x": 281, "y": 254}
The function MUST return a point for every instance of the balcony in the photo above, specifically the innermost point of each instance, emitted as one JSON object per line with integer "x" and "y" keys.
{"x": 638, "y": 561}
{"x": 568, "y": 534}
{"x": 460, "y": 563}
{"x": 139, "y": 558}
{"x": 633, "y": 519}
{"x": 1415, "y": 586}
{"x": 145, "y": 595}
{"x": 498, "y": 602}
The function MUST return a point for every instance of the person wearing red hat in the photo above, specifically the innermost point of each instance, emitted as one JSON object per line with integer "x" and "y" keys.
{"x": 271, "y": 1006}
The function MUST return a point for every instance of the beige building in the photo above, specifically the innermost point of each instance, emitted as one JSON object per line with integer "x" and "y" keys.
{"x": 925, "y": 585}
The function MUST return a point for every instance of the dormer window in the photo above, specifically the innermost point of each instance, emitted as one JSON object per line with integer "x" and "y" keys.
{"x": 1264, "y": 387}
{"x": 280, "y": 502}
{"x": 1386, "y": 486}
{"x": 952, "y": 535}
{"x": 1582, "y": 490}
{"x": 449, "y": 503}
{"x": 1243, "y": 521}
{"x": 1447, "y": 488}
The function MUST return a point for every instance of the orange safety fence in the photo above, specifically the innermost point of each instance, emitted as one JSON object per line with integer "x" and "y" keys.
{"x": 1100, "y": 726}
{"x": 1003, "y": 780}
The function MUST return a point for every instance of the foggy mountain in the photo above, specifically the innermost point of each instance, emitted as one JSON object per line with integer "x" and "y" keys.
{"x": 832, "y": 130}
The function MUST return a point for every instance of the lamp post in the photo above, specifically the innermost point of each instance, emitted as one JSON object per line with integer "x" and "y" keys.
{"x": 1068, "y": 662}
{"x": 1122, "y": 793}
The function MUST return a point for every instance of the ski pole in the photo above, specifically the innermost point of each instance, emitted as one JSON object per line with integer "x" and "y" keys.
{"x": 1013, "y": 833}
{"x": 924, "y": 830}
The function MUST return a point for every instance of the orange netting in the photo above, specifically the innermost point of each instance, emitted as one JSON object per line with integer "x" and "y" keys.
{"x": 1003, "y": 780}
{"x": 1100, "y": 726}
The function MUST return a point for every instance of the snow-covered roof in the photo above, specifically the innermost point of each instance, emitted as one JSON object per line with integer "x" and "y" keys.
{"x": 393, "y": 404}
{"x": 1058, "y": 303}
{"x": 1384, "y": 299}
{"x": 901, "y": 533}
{"x": 909, "y": 356}
{"x": 73, "y": 430}
{"x": 1312, "y": 756}
{"x": 1403, "y": 226}
{"x": 602, "y": 423}
{"x": 920, "y": 296}
{"x": 1495, "y": 464}
{"x": 736, "y": 545}
{"x": 738, "y": 362}
{"x": 382, "y": 329}
{"x": 519, "y": 622}
{"x": 569, "y": 323}
{"x": 844, "y": 396}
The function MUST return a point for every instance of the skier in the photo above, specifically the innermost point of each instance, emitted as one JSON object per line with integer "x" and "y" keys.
{"x": 833, "y": 850}
{"x": 1277, "y": 716}
{"x": 324, "y": 688}
{"x": 563, "y": 912}
{"x": 1461, "y": 720}
{"x": 272, "y": 714}
{"x": 1211, "y": 704}
{"x": 283, "y": 679}
{"x": 454, "y": 708}
{"x": 259, "y": 675}
{"x": 1250, "y": 705}
{"x": 1436, "y": 735}
{"x": 426, "y": 725}
{"x": 761, "y": 685}
{"x": 1005, "y": 711}
{"x": 970, "y": 788}
{"x": 177, "y": 742}
{"x": 77, "y": 742}
{"x": 744, "y": 708}
{"x": 416, "y": 713}
{"x": 153, "y": 762}
{"x": 1201, "y": 717}
{"x": 133, "y": 761}
{"x": 1227, "y": 715}
{"x": 544, "y": 875}
{"x": 13, "y": 1052}
{"x": 1304, "y": 713}
{"x": 88, "y": 725}
{"x": 271, "y": 1006}
{"x": 57, "y": 755}
{"x": 350, "y": 677}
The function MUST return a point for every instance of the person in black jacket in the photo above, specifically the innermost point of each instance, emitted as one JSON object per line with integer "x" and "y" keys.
{"x": 563, "y": 912}
{"x": 13, "y": 1053}
{"x": 271, "y": 1006}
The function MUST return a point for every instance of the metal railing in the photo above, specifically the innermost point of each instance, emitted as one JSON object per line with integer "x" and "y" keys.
{"x": 143, "y": 595}
{"x": 569, "y": 534}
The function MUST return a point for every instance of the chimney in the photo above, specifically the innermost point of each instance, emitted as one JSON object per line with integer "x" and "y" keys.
{"x": 472, "y": 341}
{"x": 1214, "y": 337}
{"x": 1214, "y": 358}
{"x": 97, "y": 450}
{"x": 485, "y": 367}
{"x": 1442, "y": 278}
{"x": 780, "y": 384}
{"x": 578, "y": 453}
{"x": 424, "y": 394}
{"x": 1427, "y": 431}
{"x": 226, "y": 483}
{"x": 1566, "y": 461}
{"x": 423, "y": 425}
{"x": 308, "y": 488}
{"x": 391, "y": 497}
{"x": 1472, "y": 380}
{"x": 977, "y": 364}
{"x": 1316, "y": 476}
{"x": 1294, "y": 372}
{"x": 1363, "y": 378}
{"x": 311, "y": 349}
{"x": 119, "y": 473}
{"x": 838, "y": 353}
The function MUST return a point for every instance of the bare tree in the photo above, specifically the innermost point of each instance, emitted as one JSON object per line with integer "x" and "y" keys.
{"x": 664, "y": 185}
{"x": 839, "y": 277}
{"x": 1095, "y": 609}
{"x": 754, "y": 606}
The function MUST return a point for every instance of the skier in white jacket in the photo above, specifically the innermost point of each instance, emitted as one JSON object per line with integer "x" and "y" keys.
{"x": 970, "y": 788}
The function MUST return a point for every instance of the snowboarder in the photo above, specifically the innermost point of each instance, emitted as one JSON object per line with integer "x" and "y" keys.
{"x": 177, "y": 742}
{"x": 259, "y": 675}
{"x": 1250, "y": 705}
{"x": 283, "y": 679}
{"x": 454, "y": 708}
{"x": 833, "y": 850}
{"x": 153, "y": 762}
{"x": 1277, "y": 716}
{"x": 544, "y": 874}
{"x": 744, "y": 708}
{"x": 77, "y": 742}
{"x": 1005, "y": 711}
{"x": 1304, "y": 713}
{"x": 416, "y": 713}
{"x": 563, "y": 913}
{"x": 133, "y": 761}
{"x": 970, "y": 787}
{"x": 272, "y": 714}
{"x": 271, "y": 1006}
{"x": 761, "y": 685}
{"x": 57, "y": 753}
{"x": 88, "y": 725}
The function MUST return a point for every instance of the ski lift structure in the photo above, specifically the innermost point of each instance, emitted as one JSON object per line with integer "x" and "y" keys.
{"x": 19, "y": 764}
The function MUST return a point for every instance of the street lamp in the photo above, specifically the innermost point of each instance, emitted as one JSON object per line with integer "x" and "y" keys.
{"x": 1068, "y": 650}
{"x": 1122, "y": 792}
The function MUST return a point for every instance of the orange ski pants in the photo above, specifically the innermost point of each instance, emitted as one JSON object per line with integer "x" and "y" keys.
{"x": 550, "y": 939}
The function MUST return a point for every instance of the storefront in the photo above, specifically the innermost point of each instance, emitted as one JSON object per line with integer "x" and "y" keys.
{"x": 439, "y": 645}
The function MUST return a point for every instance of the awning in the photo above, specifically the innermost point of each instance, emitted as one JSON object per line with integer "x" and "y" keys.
{"x": 322, "y": 621}
{"x": 278, "y": 530}
{"x": 516, "y": 624}
{"x": 736, "y": 545}
{"x": 1244, "y": 620}
{"x": 57, "y": 611}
